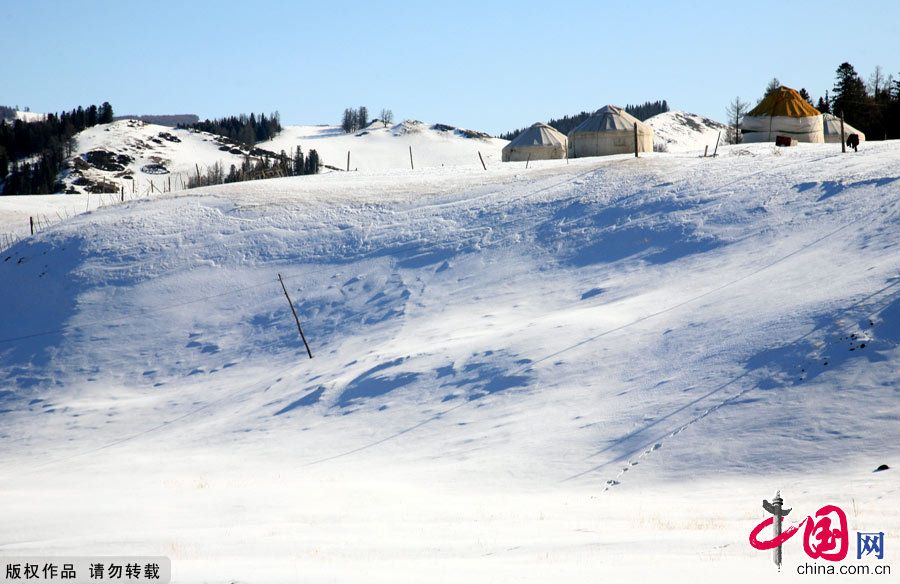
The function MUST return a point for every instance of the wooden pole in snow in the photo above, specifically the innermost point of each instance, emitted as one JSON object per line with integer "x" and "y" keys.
{"x": 348, "y": 161}
{"x": 716, "y": 149}
{"x": 528, "y": 160}
{"x": 635, "y": 141}
{"x": 705, "y": 150}
{"x": 296, "y": 318}
{"x": 483, "y": 165}
{"x": 411, "y": 166}
{"x": 31, "y": 223}
{"x": 843, "y": 139}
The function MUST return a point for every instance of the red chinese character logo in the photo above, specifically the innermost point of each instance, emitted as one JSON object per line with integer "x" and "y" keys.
{"x": 821, "y": 540}
{"x": 825, "y": 537}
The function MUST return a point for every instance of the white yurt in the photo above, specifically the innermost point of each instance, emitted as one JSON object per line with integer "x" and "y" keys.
{"x": 783, "y": 113}
{"x": 832, "y": 126}
{"x": 539, "y": 142}
{"x": 609, "y": 131}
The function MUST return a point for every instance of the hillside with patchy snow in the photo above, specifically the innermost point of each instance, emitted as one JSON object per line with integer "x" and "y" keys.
{"x": 146, "y": 158}
{"x": 678, "y": 131}
{"x": 530, "y": 375}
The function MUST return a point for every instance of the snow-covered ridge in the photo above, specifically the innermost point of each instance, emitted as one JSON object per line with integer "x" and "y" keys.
{"x": 381, "y": 147}
{"x": 146, "y": 158}
{"x": 678, "y": 131}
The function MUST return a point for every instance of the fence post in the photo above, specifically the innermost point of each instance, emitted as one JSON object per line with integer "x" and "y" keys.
{"x": 483, "y": 165}
{"x": 635, "y": 141}
{"x": 348, "y": 161}
{"x": 296, "y": 318}
{"x": 411, "y": 165}
{"x": 31, "y": 223}
{"x": 843, "y": 139}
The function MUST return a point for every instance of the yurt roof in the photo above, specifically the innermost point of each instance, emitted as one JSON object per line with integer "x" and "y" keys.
{"x": 539, "y": 135}
{"x": 784, "y": 102}
{"x": 610, "y": 118}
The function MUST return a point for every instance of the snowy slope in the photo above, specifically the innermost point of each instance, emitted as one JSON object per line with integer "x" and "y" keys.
{"x": 138, "y": 155}
{"x": 535, "y": 375}
{"x": 381, "y": 148}
{"x": 678, "y": 131}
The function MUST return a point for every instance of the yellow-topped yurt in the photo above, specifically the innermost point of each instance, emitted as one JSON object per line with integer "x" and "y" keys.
{"x": 783, "y": 113}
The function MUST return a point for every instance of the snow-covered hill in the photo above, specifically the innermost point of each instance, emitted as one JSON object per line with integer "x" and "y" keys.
{"x": 145, "y": 158}
{"x": 678, "y": 131}
{"x": 380, "y": 147}
{"x": 534, "y": 375}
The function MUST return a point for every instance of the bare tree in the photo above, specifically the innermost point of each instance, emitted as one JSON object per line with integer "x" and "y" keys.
{"x": 877, "y": 81}
{"x": 387, "y": 117}
{"x": 772, "y": 86}
{"x": 735, "y": 111}
{"x": 348, "y": 121}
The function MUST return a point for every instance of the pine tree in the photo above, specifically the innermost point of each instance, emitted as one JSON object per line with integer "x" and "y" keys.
{"x": 79, "y": 119}
{"x": 312, "y": 163}
{"x": 298, "y": 162}
{"x": 91, "y": 118}
{"x": 106, "y": 113}
{"x": 824, "y": 104}
{"x": 805, "y": 95}
{"x": 850, "y": 95}
{"x": 348, "y": 121}
{"x": 247, "y": 135}
{"x": 772, "y": 86}
{"x": 362, "y": 117}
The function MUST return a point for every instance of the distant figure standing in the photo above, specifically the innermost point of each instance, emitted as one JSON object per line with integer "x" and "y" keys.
{"x": 853, "y": 142}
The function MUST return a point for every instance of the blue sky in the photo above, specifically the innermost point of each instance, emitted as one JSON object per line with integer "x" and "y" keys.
{"x": 491, "y": 66}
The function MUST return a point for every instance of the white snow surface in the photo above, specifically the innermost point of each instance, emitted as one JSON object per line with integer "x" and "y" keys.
{"x": 30, "y": 116}
{"x": 678, "y": 131}
{"x": 380, "y": 147}
{"x": 579, "y": 371}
